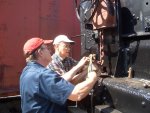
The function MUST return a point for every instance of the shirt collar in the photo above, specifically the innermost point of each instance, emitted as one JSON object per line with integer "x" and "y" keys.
{"x": 59, "y": 57}
{"x": 33, "y": 63}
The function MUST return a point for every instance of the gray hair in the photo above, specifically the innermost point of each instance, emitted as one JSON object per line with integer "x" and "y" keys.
{"x": 31, "y": 57}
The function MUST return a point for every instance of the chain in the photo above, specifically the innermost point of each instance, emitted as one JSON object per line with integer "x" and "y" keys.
{"x": 101, "y": 48}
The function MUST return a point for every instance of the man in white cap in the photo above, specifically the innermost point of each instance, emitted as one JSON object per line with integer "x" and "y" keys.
{"x": 62, "y": 63}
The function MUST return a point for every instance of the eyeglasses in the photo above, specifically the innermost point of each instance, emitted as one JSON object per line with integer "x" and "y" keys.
{"x": 66, "y": 46}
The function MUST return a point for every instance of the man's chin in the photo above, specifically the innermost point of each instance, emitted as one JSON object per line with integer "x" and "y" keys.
{"x": 67, "y": 55}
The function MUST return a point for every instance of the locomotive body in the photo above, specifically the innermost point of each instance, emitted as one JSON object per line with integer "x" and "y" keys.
{"x": 118, "y": 32}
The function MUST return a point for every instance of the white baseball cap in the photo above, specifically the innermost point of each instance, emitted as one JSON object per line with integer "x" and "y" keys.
{"x": 62, "y": 38}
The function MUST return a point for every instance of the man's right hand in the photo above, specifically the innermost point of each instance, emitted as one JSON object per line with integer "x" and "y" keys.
{"x": 82, "y": 62}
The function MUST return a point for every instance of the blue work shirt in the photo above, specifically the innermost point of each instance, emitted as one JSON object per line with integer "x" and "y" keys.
{"x": 43, "y": 90}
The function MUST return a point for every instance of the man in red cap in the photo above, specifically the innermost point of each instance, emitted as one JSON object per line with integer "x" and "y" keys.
{"x": 43, "y": 90}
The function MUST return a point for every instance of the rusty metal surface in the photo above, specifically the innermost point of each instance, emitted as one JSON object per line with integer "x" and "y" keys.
{"x": 105, "y": 15}
{"x": 23, "y": 19}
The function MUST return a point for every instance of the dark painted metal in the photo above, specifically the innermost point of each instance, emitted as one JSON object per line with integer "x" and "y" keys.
{"x": 126, "y": 47}
{"x": 10, "y": 104}
{"x": 135, "y": 17}
{"x": 128, "y": 96}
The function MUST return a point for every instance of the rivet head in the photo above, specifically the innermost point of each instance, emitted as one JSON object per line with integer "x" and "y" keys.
{"x": 143, "y": 103}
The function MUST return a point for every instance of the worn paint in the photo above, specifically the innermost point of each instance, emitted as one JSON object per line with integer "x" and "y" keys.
{"x": 23, "y": 19}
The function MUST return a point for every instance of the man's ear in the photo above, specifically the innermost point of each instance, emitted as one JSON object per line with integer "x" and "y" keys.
{"x": 39, "y": 52}
{"x": 55, "y": 46}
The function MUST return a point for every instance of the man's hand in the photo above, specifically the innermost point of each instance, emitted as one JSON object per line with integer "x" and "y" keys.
{"x": 82, "y": 62}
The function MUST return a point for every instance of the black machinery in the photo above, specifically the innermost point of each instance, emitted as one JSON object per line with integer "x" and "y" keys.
{"x": 118, "y": 31}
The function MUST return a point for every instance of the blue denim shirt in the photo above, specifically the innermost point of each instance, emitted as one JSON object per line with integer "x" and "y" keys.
{"x": 43, "y": 90}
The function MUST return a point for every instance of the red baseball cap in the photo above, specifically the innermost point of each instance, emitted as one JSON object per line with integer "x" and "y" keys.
{"x": 33, "y": 43}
